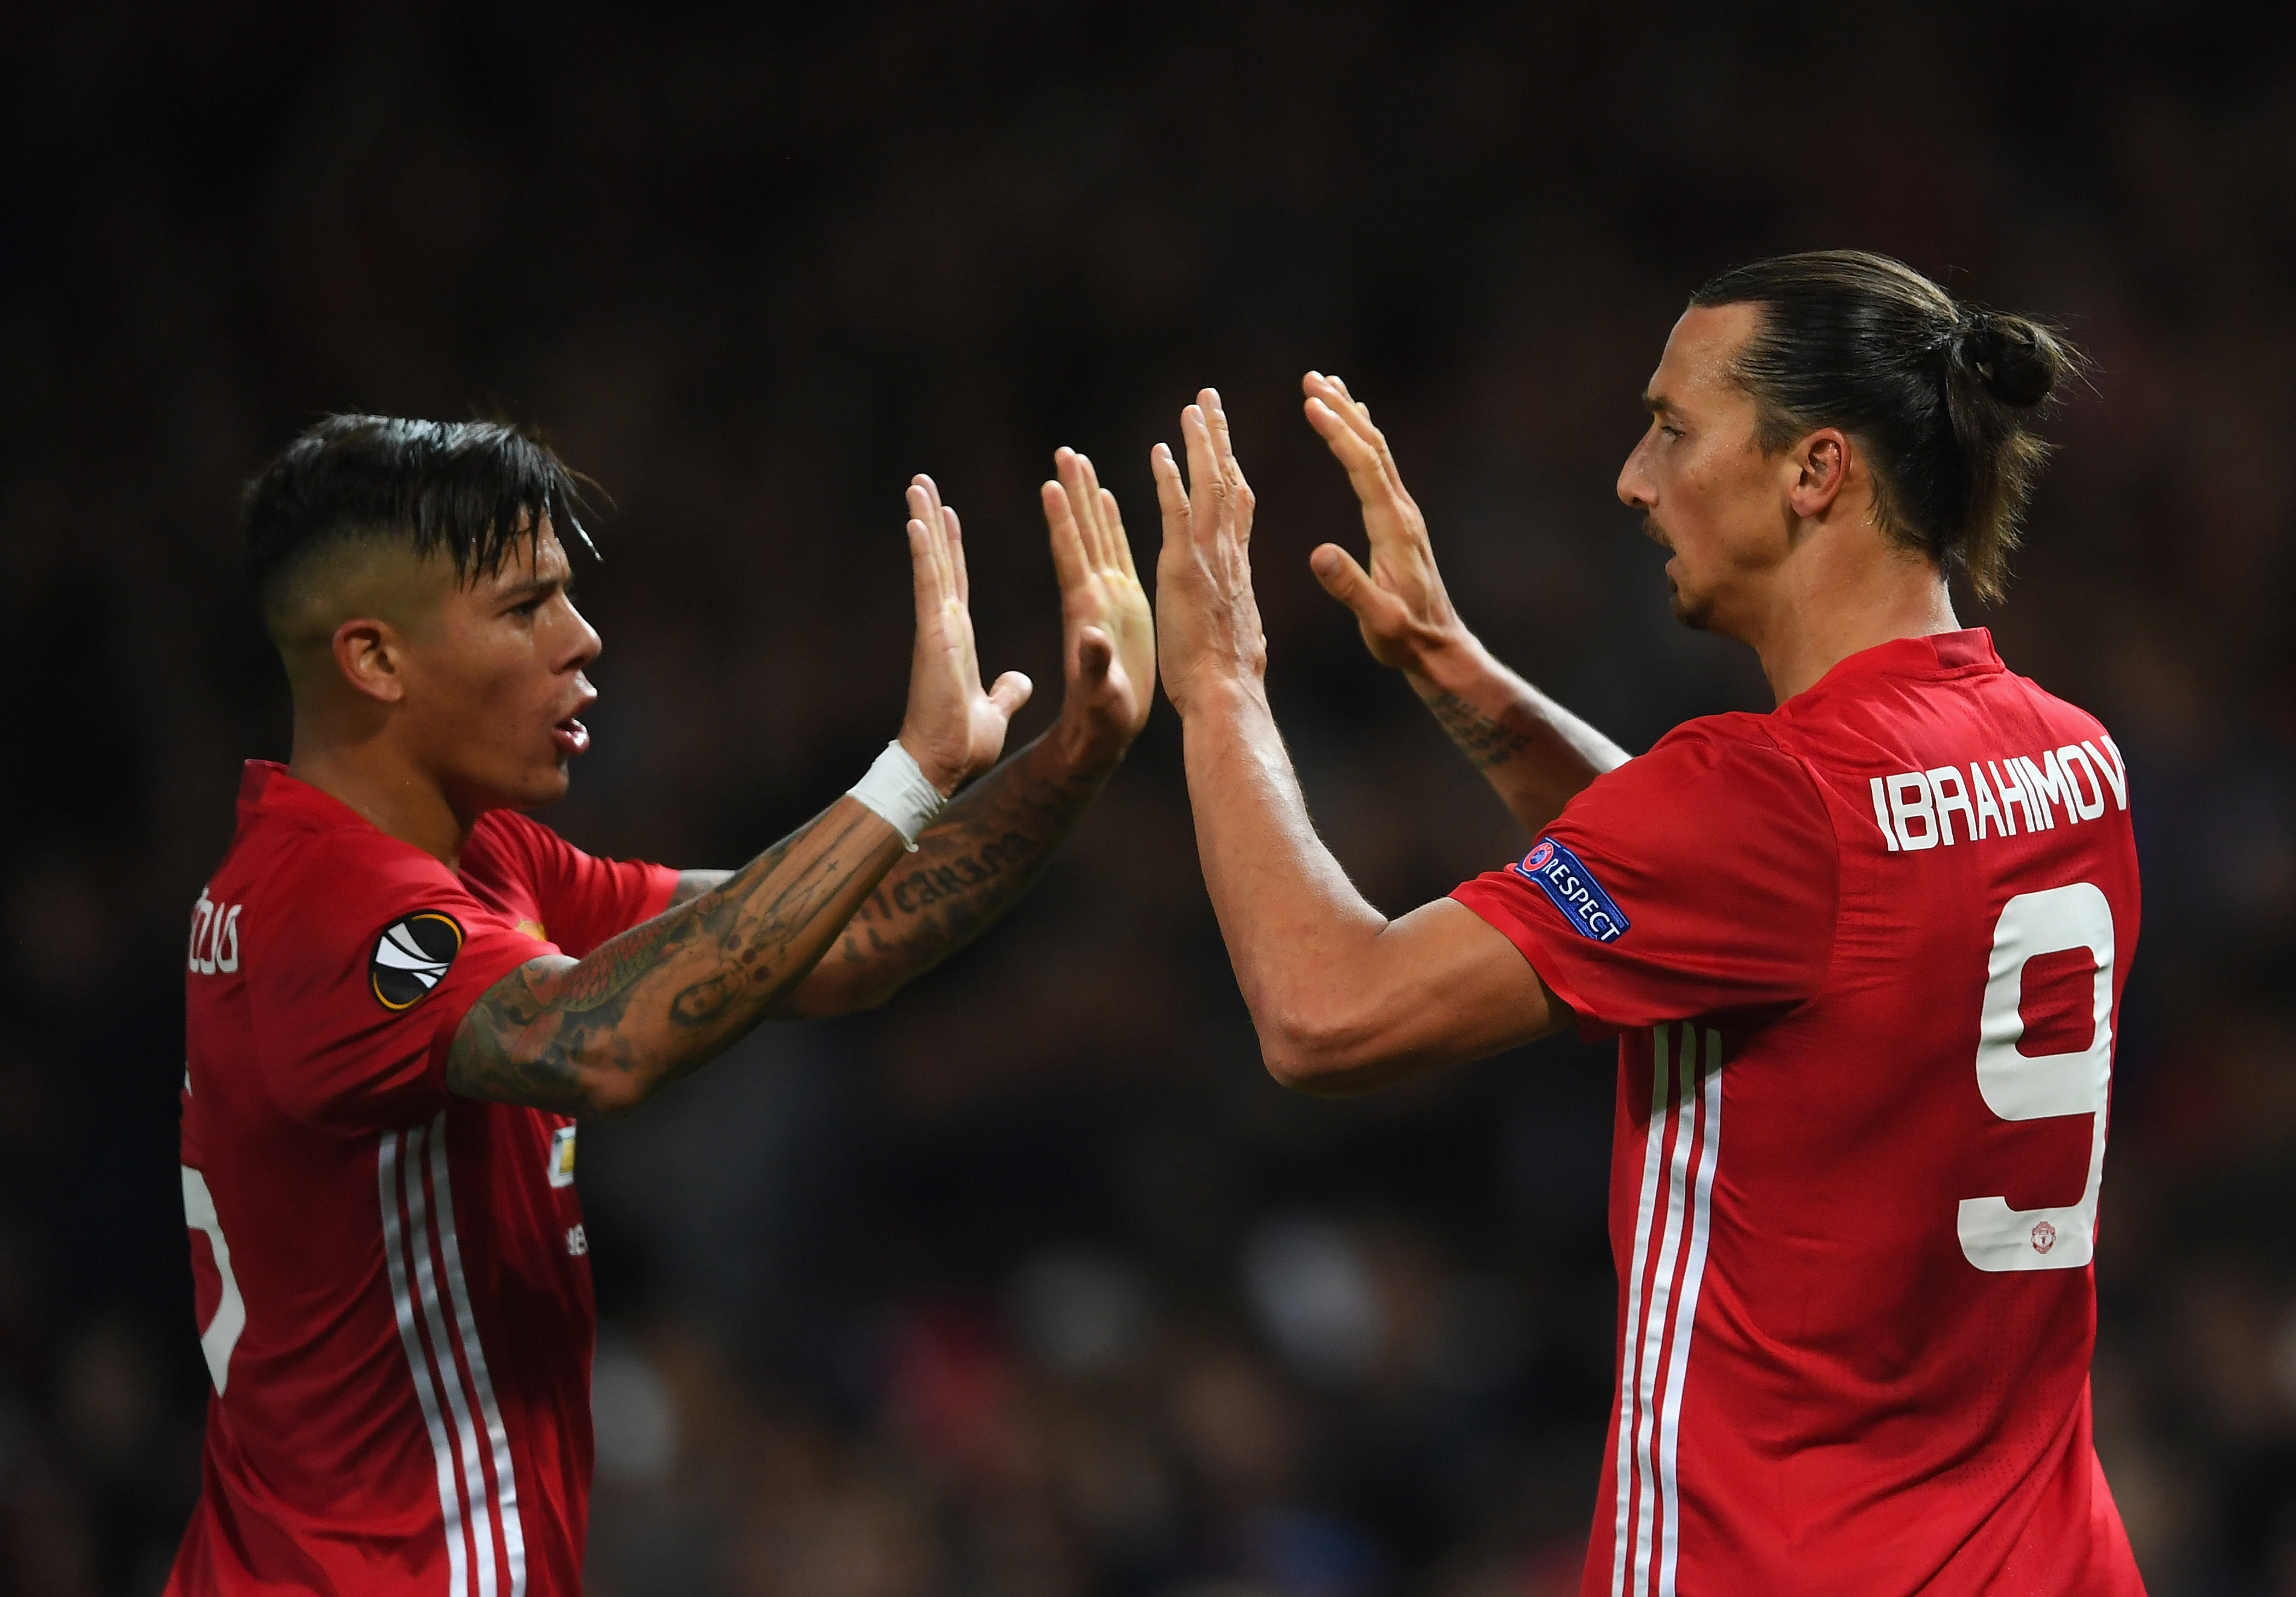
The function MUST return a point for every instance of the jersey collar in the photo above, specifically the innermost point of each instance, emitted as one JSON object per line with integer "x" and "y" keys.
{"x": 266, "y": 787}
{"x": 1969, "y": 653}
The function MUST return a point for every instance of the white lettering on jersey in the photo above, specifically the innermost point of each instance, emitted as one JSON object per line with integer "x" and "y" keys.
{"x": 578, "y": 1241}
{"x": 215, "y": 936}
{"x": 1914, "y": 810}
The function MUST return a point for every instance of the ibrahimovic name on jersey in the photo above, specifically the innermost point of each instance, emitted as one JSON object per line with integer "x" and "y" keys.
{"x": 392, "y": 1282}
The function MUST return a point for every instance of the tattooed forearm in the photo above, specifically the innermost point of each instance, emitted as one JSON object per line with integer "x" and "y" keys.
{"x": 1487, "y": 742}
{"x": 1536, "y": 755}
{"x": 971, "y": 866}
{"x": 602, "y": 1034}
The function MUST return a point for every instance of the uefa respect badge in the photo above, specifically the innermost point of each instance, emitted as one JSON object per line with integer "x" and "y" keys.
{"x": 1572, "y": 889}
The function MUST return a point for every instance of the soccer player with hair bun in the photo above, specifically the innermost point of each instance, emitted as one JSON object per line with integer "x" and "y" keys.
{"x": 1863, "y": 955}
{"x": 402, "y": 992}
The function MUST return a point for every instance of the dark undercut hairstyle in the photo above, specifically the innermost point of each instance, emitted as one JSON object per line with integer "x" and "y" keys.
{"x": 1943, "y": 397}
{"x": 472, "y": 491}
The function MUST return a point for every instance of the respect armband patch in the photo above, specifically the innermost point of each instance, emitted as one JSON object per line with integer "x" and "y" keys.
{"x": 411, "y": 956}
{"x": 1571, "y": 887}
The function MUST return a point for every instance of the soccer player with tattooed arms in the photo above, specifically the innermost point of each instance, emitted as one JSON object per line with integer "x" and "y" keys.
{"x": 402, "y": 992}
{"x": 1864, "y": 954}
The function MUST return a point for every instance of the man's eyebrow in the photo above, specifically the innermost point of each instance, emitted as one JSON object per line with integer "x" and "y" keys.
{"x": 531, "y": 586}
{"x": 1658, "y": 405}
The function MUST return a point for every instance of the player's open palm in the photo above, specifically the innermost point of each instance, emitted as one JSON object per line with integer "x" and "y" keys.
{"x": 1108, "y": 634}
{"x": 1400, "y": 603}
{"x": 953, "y": 729}
{"x": 1207, "y": 616}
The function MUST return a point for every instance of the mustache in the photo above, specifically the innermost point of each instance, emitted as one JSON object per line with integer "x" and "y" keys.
{"x": 1657, "y": 534}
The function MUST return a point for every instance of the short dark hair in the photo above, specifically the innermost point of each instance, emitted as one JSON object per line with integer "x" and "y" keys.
{"x": 1942, "y": 396}
{"x": 471, "y": 490}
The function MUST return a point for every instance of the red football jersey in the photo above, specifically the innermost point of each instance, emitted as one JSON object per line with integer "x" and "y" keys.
{"x": 1864, "y": 956}
{"x": 393, "y": 1295}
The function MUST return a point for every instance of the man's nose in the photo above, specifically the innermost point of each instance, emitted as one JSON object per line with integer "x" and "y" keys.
{"x": 1634, "y": 486}
{"x": 587, "y": 645}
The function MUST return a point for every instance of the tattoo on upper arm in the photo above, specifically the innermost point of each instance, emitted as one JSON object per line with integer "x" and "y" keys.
{"x": 1486, "y": 741}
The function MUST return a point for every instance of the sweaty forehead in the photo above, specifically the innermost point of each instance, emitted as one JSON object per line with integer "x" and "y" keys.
{"x": 1696, "y": 363}
{"x": 528, "y": 562}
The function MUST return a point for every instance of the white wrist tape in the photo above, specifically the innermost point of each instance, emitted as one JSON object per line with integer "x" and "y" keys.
{"x": 896, "y": 788}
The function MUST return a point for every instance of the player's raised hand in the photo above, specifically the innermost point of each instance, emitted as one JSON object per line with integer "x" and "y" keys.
{"x": 953, "y": 730}
{"x": 1207, "y": 618}
{"x": 1400, "y": 603}
{"x": 1108, "y": 636}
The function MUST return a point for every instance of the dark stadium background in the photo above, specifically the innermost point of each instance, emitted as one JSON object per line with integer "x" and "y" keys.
{"x": 1032, "y": 1284}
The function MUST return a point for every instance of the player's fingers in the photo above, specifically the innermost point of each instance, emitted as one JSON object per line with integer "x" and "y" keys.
{"x": 924, "y": 506}
{"x": 1069, "y": 559}
{"x": 1095, "y": 654}
{"x": 1231, "y": 469}
{"x": 1223, "y": 445}
{"x": 1352, "y": 412}
{"x": 924, "y": 574}
{"x": 1208, "y": 487}
{"x": 1366, "y": 475}
{"x": 1011, "y": 692}
{"x": 954, "y": 537}
{"x": 1113, "y": 519}
{"x": 1076, "y": 478}
{"x": 1171, "y": 493}
{"x": 1090, "y": 513}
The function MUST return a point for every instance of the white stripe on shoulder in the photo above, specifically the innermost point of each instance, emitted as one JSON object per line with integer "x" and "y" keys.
{"x": 498, "y": 1439}
{"x": 389, "y": 1167}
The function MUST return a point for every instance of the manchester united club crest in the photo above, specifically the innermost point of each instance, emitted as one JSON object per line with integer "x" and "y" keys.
{"x": 2045, "y": 1237}
{"x": 411, "y": 956}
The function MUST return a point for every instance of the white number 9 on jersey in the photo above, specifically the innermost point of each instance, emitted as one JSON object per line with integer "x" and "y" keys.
{"x": 2020, "y": 1086}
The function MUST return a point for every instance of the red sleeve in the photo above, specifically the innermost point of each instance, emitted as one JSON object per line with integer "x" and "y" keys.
{"x": 1698, "y": 880}
{"x": 584, "y": 899}
{"x": 356, "y": 1002}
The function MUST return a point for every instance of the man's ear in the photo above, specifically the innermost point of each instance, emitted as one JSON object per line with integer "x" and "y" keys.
{"x": 1817, "y": 467}
{"x": 369, "y": 654}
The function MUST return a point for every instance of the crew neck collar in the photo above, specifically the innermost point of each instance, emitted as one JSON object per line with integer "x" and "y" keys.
{"x": 1937, "y": 656}
{"x": 267, "y": 785}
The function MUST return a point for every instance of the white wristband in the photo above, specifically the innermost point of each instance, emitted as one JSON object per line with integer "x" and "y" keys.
{"x": 896, "y": 788}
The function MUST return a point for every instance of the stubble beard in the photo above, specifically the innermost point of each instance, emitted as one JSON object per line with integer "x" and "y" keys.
{"x": 1691, "y": 612}
{"x": 1694, "y": 613}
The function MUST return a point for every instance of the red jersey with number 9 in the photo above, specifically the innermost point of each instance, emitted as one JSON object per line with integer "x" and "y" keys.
{"x": 1864, "y": 956}
{"x": 392, "y": 1285}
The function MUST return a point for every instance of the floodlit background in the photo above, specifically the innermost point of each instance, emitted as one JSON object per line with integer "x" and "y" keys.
{"x": 1033, "y": 1284}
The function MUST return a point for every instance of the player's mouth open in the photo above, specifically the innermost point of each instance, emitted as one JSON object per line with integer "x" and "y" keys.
{"x": 570, "y": 736}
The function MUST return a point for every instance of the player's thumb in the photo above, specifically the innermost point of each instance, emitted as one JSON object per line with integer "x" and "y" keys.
{"x": 1010, "y": 692}
{"x": 1343, "y": 579}
{"x": 1095, "y": 655}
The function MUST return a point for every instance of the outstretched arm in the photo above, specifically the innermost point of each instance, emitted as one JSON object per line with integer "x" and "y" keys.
{"x": 975, "y": 861}
{"x": 1344, "y": 999}
{"x": 979, "y": 858}
{"x": 603, "y": 1034}
{"x": 1537, "y": 754}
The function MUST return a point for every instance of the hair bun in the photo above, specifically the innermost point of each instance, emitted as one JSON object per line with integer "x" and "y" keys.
{"x": 2015, "y": 360}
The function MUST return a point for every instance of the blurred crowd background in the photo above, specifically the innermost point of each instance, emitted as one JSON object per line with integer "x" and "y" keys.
{"x": 1032, "y": 1284}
